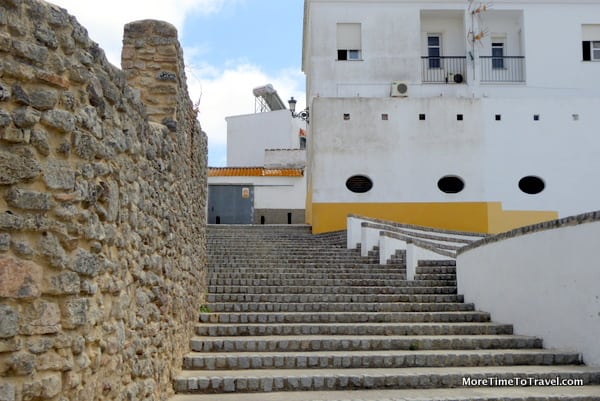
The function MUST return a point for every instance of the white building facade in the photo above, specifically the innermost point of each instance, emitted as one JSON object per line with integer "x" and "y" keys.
{"x": 452, "y": 114}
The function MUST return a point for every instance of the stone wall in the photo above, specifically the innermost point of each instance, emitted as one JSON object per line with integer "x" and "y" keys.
{"x": 102, "y": 210}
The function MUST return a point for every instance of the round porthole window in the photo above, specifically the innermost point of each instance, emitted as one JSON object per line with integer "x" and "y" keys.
{"x": 531, "y": 185}
{"x": 451, "y": 184}
{"x": 359, "y": 184}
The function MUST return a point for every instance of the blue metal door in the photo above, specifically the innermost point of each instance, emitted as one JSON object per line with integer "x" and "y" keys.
{"x": 230, "y": 204}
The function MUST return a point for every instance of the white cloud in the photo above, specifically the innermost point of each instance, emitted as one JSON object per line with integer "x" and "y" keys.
{"x": 229, "y": 92}
{"x": 105, "y": 19}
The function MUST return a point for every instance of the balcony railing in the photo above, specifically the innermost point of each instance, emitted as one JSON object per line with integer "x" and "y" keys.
{"x": 444, "y": 69}
{"x": 502, "y": 68}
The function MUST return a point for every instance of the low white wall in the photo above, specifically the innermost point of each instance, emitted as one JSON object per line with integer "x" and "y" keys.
{"x": 354, "y": 227}
{"x": 285, "y": 158}
{"x": 543, "y": 279}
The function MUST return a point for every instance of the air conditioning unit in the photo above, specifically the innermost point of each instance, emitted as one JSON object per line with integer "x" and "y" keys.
{"x": 399, "y": 89}
{"x": 454, "y": 78}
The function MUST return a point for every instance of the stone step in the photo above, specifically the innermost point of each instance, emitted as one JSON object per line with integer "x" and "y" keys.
{"x": 344, "y": 317}
{"x": 308, "y": 270}
{"x": 400, "y": 275}
{"x": 331, "y": 282}
{"x": 352, "y": 329}
{"x": 279, "y": 262}
{"x": 436, "y": 270}
{"x": 539, "y": 393}
{"x": 329, "y": 290}
{"x": 335, "y": 298}
{"x": 435, "y": 276}
{"x": 361, "y": 343}
{"x": 338, "y": 307}
{"x": 257, "y": 380}
{"x": 376, "y": 359}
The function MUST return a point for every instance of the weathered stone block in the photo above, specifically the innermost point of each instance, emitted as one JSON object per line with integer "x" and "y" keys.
{"x": 75, "y": 312}
{"x": 59, "y": 175}
{"x": 4, "y": 241}
{"x": 39, "y": 345}
{"x": 85, "y": 146}
{"x": 19, "y": 279}
{"x": 39, "y": 139}
{"x": 51, "y": 385}
{"x": 166, "y": 76}
{"x": 53, "y": 361}
{"x": 43, "y": 99}
{"x": 11, "y": 222}
{"x": 9, "y": 321}
{"x": 31, "y": 52}
{"x": 5, "y": 42}
{"x": 87, "y": 263}
{"x": 15, "y": 135}
{"x": 22, "y": 363}
{"x": 22, "y": 249}
{"x": 7, "y": 392}
{"x": 66, "y": 283}
{"x": 52, "y": 79}
{"x": 20, "y": 96}
{"x": 28, "y": 200}
{"x": 26, "y": 117}
{"x": 142, "y": 368}
{"x": 5, "y": 118}
{"x": 61, "y": 120}
{"x": 40, "y": 317}
{"x": 46, "y": 37}
{"x": 10, "y": 344}
{"x": 17, "y": 165}
{"x": 50, "y": 247}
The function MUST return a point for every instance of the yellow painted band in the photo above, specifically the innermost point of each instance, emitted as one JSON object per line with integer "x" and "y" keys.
{"x": 481, "y": 217}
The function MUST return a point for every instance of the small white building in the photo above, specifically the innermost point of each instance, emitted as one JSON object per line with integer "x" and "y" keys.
{"x": 264, "y": 181}
{"x": 453, "y": 114}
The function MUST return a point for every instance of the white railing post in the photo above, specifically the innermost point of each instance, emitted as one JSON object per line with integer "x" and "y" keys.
{"x": 411, "y": 260}
{"x": 354, "y": 232}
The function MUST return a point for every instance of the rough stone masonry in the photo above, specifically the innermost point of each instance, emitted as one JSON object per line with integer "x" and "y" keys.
{"x": 102, "y": 210}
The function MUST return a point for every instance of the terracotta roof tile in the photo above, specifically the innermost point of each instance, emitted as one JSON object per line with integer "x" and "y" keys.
{"x": 254, "y": 172}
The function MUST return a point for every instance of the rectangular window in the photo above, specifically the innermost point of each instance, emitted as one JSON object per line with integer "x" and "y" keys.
{"x": 596, "y": 50}
{"x": 591, "y": 50}
{"x": 434, "y": 50}
{"x": 349, "y": 43}
{"x": 590, "y": 44}
{"x": 498, "y": 55}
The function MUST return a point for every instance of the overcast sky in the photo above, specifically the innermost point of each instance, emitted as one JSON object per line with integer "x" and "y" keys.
{"x": 230, "y": 47}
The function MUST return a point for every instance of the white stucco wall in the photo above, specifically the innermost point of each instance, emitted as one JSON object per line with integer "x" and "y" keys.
{"x": 545, "y": 283}
{"x": 249, "y": 135}
{"x": 405, "y": 157}
{"x": 288, "y": 158}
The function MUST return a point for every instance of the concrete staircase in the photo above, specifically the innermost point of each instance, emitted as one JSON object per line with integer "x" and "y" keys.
{"x": 292, "y": 316}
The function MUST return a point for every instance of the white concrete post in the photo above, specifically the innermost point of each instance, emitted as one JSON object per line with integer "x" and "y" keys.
{"x": 411, "y": 260}
{"x": 354, "y": 232}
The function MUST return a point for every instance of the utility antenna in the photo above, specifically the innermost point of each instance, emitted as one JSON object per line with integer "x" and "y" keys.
{"x": 478, "y": 29}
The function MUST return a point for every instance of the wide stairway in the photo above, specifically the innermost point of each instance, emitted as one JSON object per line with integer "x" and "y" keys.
{"x": 292, "y": 316}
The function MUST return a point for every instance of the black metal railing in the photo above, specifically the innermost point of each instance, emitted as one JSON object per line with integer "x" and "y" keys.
{"x": 502, "y": 68}
{"x": 444, "y": 69}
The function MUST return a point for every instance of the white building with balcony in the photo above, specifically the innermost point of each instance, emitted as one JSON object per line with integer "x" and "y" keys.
{"x": 453, "y": 114}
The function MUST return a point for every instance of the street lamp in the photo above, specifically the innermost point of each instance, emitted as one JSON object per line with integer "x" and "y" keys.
{"x": 303, "y": 115}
